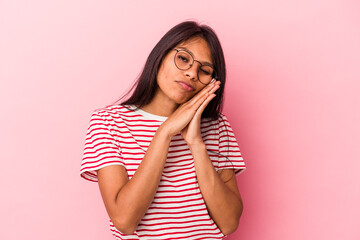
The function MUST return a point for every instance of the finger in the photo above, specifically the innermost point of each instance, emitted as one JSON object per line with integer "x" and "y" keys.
{"x": 214, "y": 87}
{"x": 200, "y": 101}
{"x": 201, "y": 94}
{"x": 204, "y": 104}
{"x": 212, "y": 90}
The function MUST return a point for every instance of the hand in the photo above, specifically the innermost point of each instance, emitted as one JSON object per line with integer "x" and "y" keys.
{"x": 191, "y": 133}
{"x": 185, "y": 113}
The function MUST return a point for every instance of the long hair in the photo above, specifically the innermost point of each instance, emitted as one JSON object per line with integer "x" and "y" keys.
{"x": 146, "y": 85}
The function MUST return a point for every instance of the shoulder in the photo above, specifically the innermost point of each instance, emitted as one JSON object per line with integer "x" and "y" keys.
{"x": 219, "y": 120}
{"x": 221, "y": 124}
{"x": 223, "y": 120}
{"x": 114, "y": 112}
{"x": 213, "y": 125}
{"x": 111, "y": 110}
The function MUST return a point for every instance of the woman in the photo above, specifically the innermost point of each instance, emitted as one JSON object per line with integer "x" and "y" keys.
{"x": 165, "y": 159}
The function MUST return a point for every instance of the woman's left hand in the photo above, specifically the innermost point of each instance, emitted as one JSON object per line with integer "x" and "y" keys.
{"x": 191, "y": 133}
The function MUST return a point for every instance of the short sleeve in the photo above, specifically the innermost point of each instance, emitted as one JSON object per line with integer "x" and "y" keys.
{"x": 230, "y": 156}
{"x": 101, "y": 148}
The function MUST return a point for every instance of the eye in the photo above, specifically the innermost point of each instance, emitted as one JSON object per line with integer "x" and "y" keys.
{"x": 183, "y": 58}
{"x": 205, "y": 72}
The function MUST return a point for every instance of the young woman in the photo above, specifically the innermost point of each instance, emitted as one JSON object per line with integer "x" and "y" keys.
{"x": 166, "y": 158}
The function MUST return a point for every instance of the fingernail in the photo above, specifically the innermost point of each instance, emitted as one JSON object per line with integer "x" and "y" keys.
{"x": 213, "y": 80}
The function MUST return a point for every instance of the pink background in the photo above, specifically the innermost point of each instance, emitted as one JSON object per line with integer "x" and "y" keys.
{"x": 292, "y": 98}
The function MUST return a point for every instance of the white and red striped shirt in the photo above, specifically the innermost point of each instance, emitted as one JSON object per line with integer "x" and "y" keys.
{"x": 121, "y": 135}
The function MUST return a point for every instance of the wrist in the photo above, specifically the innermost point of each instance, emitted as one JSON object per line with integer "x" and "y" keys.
{"x": 197, "y": 145}
{"x": 163, "y": 131}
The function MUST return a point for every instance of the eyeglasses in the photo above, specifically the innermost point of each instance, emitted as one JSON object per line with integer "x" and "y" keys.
{"x": 184, "y": 60}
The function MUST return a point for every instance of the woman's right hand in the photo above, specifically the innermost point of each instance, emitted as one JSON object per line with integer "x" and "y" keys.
{"x": 181, "y": 117}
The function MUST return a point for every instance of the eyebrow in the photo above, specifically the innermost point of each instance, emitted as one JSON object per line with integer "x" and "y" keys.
{"x": 206, "y": 63}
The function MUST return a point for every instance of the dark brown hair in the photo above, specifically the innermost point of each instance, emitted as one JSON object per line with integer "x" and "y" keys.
{"x": 146, "y": 85}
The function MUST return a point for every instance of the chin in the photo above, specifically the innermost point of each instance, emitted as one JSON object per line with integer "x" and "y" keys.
{"x": 180, "y": 101}
{"x": 179, "y": 96}
{"x": 183, "y": 99}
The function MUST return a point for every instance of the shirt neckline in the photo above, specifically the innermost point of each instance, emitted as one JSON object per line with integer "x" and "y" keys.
{"x": 147, "y": 114}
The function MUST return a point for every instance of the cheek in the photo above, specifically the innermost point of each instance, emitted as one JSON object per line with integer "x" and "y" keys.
{"x": 167, "y": 75}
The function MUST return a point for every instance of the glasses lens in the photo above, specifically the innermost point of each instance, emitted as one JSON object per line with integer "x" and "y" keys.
{"x": 183, "y": 60}
{"x": 206, "y": 74}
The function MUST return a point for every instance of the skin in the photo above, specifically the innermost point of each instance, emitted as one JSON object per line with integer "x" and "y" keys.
{"x": 127, "y": 201}
{"x": 170, "y": 94}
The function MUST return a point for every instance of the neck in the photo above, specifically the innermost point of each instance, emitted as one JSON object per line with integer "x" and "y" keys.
{"x": 161, "y": 105}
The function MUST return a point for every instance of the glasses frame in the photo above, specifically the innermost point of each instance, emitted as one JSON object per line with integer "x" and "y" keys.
{"x": 194, "y": 60}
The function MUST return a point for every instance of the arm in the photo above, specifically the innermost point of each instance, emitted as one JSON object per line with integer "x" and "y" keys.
{"x": 222, "y": 199}
{"x": 126, "y": 201}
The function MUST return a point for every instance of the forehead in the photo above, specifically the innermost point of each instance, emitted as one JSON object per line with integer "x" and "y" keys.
{"x": 198, "y": 47}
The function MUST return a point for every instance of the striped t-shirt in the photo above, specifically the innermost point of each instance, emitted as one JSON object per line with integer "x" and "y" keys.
{"x": 121, "y": 135}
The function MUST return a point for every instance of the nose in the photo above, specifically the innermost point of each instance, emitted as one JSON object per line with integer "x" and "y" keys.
{"x": 192, "y": 72}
